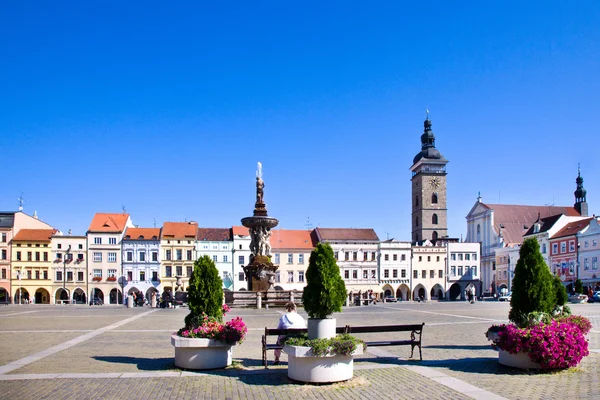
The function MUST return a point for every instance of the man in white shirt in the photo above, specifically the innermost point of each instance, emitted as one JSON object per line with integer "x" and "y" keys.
{"x": 290, "y": 320}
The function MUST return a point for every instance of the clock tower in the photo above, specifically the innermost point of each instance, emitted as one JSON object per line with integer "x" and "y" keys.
{"x": 429, "y": 212}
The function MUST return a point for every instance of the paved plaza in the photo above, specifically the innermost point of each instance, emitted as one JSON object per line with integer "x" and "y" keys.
{"x": 111, "y": 352}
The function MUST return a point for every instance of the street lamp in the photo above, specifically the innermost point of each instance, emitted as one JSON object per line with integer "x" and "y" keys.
{"x": 20, "y": 292}
{"x": 67, "y": 254}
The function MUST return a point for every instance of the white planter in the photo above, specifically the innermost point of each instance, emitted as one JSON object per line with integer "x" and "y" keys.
{"x": 519, "y": 360}
{"x": 200, "y": 353}
{"x": 304, "y": 366}
{"x": 321, "y": 328}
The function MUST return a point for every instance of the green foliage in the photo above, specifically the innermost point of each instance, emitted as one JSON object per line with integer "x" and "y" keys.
{"x": 533, "y": 286}
{"x": 340, "y": 345}
{"x": 578, "y": 286}
{"x": 205, "y": 293}
{"x": 325, "y": 291}
{"x": 560, "y": 292}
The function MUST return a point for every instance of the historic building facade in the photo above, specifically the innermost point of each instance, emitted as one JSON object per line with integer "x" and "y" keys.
{"x": 564, "y": 252}
{"x": 241, "y": 256}
{"x": 104, "y": 237}
{"x": 217, "y": 243}
{"x": 141, "y": 262}
{"x": 429, "y": 211}
{"x": 394, "y": 268}
{"x": 290, "y": 250}
{"x": 32, "y": 281}
{"x": 178, "y": 247}
{"x": 589, "y": 254}
{"x": 428, "y": 264}
{"x": 463, "y": 271}
{"x": 69, "y": 272}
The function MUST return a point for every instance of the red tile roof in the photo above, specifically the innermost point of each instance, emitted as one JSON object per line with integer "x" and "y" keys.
{"x": 347, "y": 234}
{"x": 291, "y": 239}
{"x": 214, "y": 234}
{"x": 179, "y": 230}
{"x": 34, "y": 235}
{"x": 104, "y": 222}
{"x": 514, "y": 220}
{"x": 142, "y": 234}
{"x": 572, "y": 228}
{"x": 240, "y": 231}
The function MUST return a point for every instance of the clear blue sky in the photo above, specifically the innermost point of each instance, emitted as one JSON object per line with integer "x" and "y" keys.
{"x": 167, "y": 108}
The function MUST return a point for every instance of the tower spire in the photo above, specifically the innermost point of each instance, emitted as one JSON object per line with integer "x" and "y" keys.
{"x": 580, "y": 195}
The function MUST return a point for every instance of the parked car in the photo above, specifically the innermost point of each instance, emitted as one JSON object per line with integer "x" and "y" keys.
{"x": 390, "y": 299}
{"x": 96, "y": 301}
{"x": 506, "y": 297}
{"x": 595, "y": 297}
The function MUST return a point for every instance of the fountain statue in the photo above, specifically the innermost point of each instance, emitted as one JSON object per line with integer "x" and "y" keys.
{"x": 260, "y": 272}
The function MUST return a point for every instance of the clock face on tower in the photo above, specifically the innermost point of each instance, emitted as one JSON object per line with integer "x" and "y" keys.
{"x": 434, "y": 182}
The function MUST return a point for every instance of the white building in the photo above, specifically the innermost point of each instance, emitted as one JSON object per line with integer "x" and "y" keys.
{"x": 241, "y": 256}
{"x": 589, "y": 254}
{"x": 463, "y": 271}
{"x": 290, "y": 250}
{"x": 394, "y": 268}
{"x": 428, "y": 266}
{"x": 141, "y": 262}
{"x": 69, "y": 268}
{"x": 217, "y": 243}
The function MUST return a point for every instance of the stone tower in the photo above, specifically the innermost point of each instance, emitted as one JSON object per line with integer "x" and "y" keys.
{"x": 429, "y": 212}
{"x": 580, "y": 196}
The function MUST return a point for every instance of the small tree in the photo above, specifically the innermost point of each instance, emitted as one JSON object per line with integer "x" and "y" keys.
{"x": 560, "y": 291}
{"x": 325, "y": 291}
{"x": 533, "y": 287}
{"x": 578, "y": 286}
{"x": 205, "y": 292}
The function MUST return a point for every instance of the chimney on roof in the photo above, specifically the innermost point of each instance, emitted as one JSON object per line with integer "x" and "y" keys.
{"x": 35, "y": 215}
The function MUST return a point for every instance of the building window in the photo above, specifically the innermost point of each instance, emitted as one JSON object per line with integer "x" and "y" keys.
{"x": 594, "y": 262}
{"x": 168, "y": 255}
{"x": 59, "y": 275}
{"x": 423, "y": 274}
{"x": 79, "y": 276}
{"x": 300, "y": 261}
{"x": 453, "y": 271}
{"x": 420, "y": 258}
{"x": 336, "y": 255}
{"x": 453, "y": 257}
{"x": 365, "y": 274}
{"x": 460, "y": 257}
{"x": 46, "y": 256}
{"x": 142, "y": 256}
{"x": 29, "y": 256}
{"x": 403, "y": 257}
{"x": 386, "y": 257}
{"x": 240, "y": 276}
{"x": 276, "y": 258}
{"x": 189, "y": 270}
{"x": 428, "y": 258}
{"x": 544, "y": 248}
{"x": 365, "y": 256}
{"x": 434, "y": 219}
{"x": 4, "y": 254}
{"x": 354, "y": 256}
{"x": 290, "y": 258}
{"x": 460, "y": 270}
{"x": 112, "y": 273}
{"x": 291, "y": 276}
{"x": 431, "y": 274}
{"x": 179, "y": 254}
{"x": 563, "y": 247}
{"x": 97, "y": 257}
{"x": 346, "y": 274}
{"x": 354, "y": 274}
{"x": 168, "y": 271}
{"x": 189, "y": 255}
{"x": 19, "y": 256}
{"x": 179, "y": 270}
{"x": 277, "y": 276}
{"x": 594, "y": 243}
{"x": 585, "y": 244}
{"x": 372, "y": 256}
{"x": 154, "y": 256}
{"x": 554, "y": 248}
{"x": 214, "y": 257}
{"x": 347, "y": 256}
{"x": 395, "y": 257}
{"x": 130, "y": 256}
{"x": 154, "y": 276}
{"x": 241, "y": 260}
{"x": 3, "y": 273}
{"x": 467, "y": 257}
{"x": 4, "y": 238}
{"x": 112, "y": 240}
{"x": 415, "y": 274}
{"x": 441, "y": 273}
{"x": 386, "y": 273}
{"x": 474, "y": 271}
{"x": 112, "y": 257}
{"x": 142, "y": 276}
{"x": 28, "y": 274}
{"x": 97, "y": 273}
{"x": 571, "y": 245}
{"x": 586, "y": 264}
{"x": 97, "y": 240}
{"x": 225, "y": 258}
{"x": 394, "y": 273}
{"x": 434, "y": 199}
{"x": 403, "y": 273}
{"x": 300, "y": 276}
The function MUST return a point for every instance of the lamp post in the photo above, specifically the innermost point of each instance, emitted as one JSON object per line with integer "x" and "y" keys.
{"x": 20, "y": 292}
{"x": 67, "y": 253}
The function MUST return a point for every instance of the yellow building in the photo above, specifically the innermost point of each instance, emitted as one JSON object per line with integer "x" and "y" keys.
{"x": 31, "y": 266}
{"x": 178, "y": 247}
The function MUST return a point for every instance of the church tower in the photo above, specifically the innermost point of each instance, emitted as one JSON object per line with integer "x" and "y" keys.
{"x": 580, "y": 194}
{"x": 429, "y": 212}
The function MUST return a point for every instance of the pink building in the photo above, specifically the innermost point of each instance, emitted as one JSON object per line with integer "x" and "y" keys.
{"x": 564, "y": 251}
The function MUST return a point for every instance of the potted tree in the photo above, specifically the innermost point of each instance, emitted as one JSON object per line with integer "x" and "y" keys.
{"x": 321, "y": 357}
{"x": 542, "y": 334}
{"x": 205, "y": 341}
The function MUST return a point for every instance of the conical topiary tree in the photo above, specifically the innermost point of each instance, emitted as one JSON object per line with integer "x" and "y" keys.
{"x": 533, "y": 287}
{"x": 325, "y": 291}
{"x": 560, "y": 291}
{"x": 578, "y": 286}
{"x": 205, "y": 292}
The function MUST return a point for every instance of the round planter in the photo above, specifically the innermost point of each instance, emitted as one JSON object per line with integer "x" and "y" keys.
{"x": 304, "y": 366}
{"x": 321, "y": 328}
{"x": 519, "y": 360}
{"x": 201, "y": 353}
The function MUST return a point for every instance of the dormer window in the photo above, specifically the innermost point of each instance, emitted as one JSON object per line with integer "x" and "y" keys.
{"x": 536, "y": 227}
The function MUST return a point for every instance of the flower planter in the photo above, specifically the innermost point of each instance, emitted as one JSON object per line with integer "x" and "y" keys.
{"x": 519, "y": 360}
{"x": 201, "y": 353}
{"x": 304, "y": 366}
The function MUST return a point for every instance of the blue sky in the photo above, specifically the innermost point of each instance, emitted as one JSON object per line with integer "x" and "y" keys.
{"x": 166, "y": 109}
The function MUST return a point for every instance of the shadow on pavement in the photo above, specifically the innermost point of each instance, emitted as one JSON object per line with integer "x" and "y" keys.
{"x": 460, "y": 346}
{"x": 143, "y": 364}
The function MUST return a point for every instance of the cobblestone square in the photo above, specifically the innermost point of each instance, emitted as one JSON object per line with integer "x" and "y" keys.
{"x": 108, "y": 352}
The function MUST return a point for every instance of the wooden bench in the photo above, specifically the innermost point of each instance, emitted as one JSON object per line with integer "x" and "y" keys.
{"x": 284, "y": 332}
{"x": 415, "y": 335}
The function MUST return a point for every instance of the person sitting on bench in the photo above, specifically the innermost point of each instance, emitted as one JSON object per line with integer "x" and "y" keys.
{"x": 290, "y": 320}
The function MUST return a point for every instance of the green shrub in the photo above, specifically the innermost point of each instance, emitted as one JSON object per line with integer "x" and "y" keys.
{"x": 560, "y": 291}
{"x": 339, "y": 345}
{"x": 325, "y": 291}
{"x": 533, "y": 286}
{"x": 578, "y": 286}
{"x": 205, "y": 293}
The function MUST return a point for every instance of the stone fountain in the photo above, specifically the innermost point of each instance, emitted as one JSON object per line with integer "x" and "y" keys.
{"x": 260, "y": 272}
